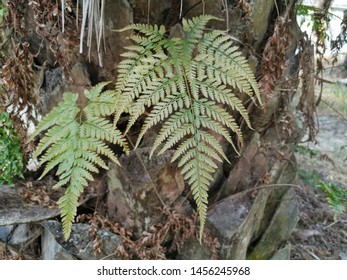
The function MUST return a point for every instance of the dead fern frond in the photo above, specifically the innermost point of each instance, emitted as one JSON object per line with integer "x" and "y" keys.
{"x": 274, "y": 57}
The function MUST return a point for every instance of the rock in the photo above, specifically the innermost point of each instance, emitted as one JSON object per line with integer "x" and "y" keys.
{"x": 5, "y": 232}
{"x": 193, "y": 250}
{"x": 26, "y": 214}
{"x": 13, "y": 211}
{"x": 261, "y": 11}
{"x": 343, "y": 256}
{"x": 120, "y": 207}
{"x": 246, "y": 222}
{"x": 79, "y": 246}
{"x": 51, "y": 90}
{"x": 283, "y": 253}
{"x": 280, "y": 228}
{"x": 24, "y": 233}
{"x": 237, "y": 246}
{"x": 282, "y": 174}
{"x": 19, "y": 241}
{"x": 168, "y": 13}
{"x": 223, "y": 225}
{"x": 51, "y": 249}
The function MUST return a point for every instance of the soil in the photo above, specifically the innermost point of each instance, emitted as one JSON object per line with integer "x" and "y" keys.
{"x": 321, "y": 233}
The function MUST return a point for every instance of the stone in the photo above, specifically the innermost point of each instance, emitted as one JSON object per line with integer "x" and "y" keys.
{"x": 13, "y": 211}
{"x": 79, "y": 245}
{"x": 280, "y": 228}
{"x": 51, "y": 249}
{"x": 5, "y": 232}
{"x": 225, "y": 218}
{"x": 283, "y": 253}
{"x": 24, "y": 233}
{"x": 118, "y": 15}
{"x": 343, "y": 256}
{"x": 193, "y": 250}
{"x": 261, "y": 11}
{"x": 237, "y": 246}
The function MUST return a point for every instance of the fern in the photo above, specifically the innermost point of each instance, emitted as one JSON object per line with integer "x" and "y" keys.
{"x": 187, "y": 82}
{"x": 75, "y": 140}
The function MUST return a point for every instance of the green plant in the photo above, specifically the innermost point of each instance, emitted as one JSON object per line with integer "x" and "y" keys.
{"x": 336, "y": 197}
{"x": 76, "y": 138}
{"x": 340, "y": 94}
{"x": 306, "y": 151}
{"x": 11, "y": 158}
{"x": 2, "y": 11}
{"x": 188, "y": 84}
{"x": 311, "y": 178}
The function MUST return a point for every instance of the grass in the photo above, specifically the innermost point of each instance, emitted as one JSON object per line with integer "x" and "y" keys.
{"x": 340, "y": 93}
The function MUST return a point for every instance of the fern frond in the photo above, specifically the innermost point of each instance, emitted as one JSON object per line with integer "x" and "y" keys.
{"x": 75, "y": 139}
{"x": 186, "y": 85}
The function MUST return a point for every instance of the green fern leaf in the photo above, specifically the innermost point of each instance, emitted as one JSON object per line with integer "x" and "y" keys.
{"x": 187, "y": 85}
{"x": 75, "y": 139}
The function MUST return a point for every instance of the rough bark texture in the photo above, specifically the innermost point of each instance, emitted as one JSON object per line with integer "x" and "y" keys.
{"x": 253, "y": 208}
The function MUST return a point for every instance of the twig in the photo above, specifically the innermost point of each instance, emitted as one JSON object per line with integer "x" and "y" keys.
{"x": 63, "y": 15}
{"x": 181, "y": 7}
{"x": 148, "y": 10}
{"x": 226, "y": 8}
{"x": 278, "y": 11}
{"x": 311, "y": 254}
{"x": 324, "y": 80}
{"x": 335, "y": 110}
{"x": 330, "y": 225}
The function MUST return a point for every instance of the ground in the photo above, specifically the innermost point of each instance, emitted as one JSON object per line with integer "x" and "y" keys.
{"x": 320, "y": 232}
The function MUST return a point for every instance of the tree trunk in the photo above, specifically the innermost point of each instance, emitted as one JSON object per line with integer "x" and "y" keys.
{"x": 252, "y": 202}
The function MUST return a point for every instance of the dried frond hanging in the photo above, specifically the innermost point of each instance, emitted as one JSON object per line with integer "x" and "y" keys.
{"x": 307, "y": 104}
{"x": 19, "y": 78}
{"x": 274, "y": 57}
{"x": 246, "y": 8}
{"x": 20, "y": 95}
{"x": 48, "y": 18}
{"x": 14, "y": 18}
{"x": 321, "y": 21}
